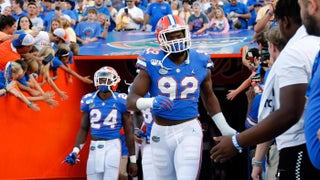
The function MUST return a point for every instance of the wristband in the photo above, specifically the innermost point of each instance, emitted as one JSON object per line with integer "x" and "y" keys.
{"x": 76, "y": 150}
{"x": 256, "y": 163}
{"x": 133, "y": 159}
{"x": 236, "y": 143}
{"x": 29, "y": 104}
{"x": 144, "y": 103}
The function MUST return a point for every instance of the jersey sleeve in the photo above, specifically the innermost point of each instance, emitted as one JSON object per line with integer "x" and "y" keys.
{"x": 86, "y": 100}
{"x": 122, "y": 99}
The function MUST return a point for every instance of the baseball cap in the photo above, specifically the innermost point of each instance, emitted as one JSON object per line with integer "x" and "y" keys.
{"x": 61, "y": 33}
{"x": 66, "y": 17}
{"x": 23, "y": 40}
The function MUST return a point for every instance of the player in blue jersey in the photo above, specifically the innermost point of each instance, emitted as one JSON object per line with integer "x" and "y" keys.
{"x": 104, "y": 113}
{"x": 175, "y": 77}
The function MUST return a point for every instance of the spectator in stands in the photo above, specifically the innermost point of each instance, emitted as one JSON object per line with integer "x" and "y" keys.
{"x": 3, "y": 5}
{"x": 251, "y": 6}
{"x": 185, "y": 11}
{"x": 47, "y": 8}
{"x": 28, "y": 83}
{"x": 99, "y": 7}
{"x": 214, "y": 4}
{"x": 70, "y": 5}
{"x": 219, "y": 23}
{"x": 198, "y": 22}
{"x": 55, "y": 23}
{"x": 175, "y": 7}
{"x": 153, "y": 14}
{"x": 11, "y": 50}
{"x": 17, "y": 10}
{"x": 89, "y": 30}
{"x": 5, "y": 89}
{"x": 60, "y": 10}
{"x": 66, "y": 25}
{"x": 37, "y": 22}
{"x": 12, "y": 72}
{"x": 204, "y": 4}
{"x": 44, "y": 75}
{"x": 113, "y": 14}
{"x": 25, "y": 24}
{"x": 133, "y": 15}
{"x": 237, "y": 11}
{"x": 104, "y": 23}
{"x": 7, "y": 11}
{"x": 7, "y": 28}
{"x": 61, "y": 60}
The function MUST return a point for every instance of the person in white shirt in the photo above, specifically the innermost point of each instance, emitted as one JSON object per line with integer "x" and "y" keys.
{"x": 134, "y": 14}
{"x": 281, "y": 111}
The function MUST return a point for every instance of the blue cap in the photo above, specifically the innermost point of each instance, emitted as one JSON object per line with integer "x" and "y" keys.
{"x": 72, "y": 3}
{"x": 23, "y": 40}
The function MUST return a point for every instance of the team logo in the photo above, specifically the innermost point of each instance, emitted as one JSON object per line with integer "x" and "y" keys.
{"x": 163, "y": 71}
{"x": 155, "y": 139}
{"x": 92, "y": 148}
{"x": 91, "y": 105}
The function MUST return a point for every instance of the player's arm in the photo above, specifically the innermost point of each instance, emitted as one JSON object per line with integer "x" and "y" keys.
{"x": 83, "y": 131}
{"x": 211, "y": 103}
{"x": 139, "y": 88}
{"x": 72, "y": 158}
{"x": 127, "y": 124}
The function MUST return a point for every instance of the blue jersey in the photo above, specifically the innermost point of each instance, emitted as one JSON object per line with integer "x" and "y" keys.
{"x": 105, "y": 115}
{"x": 312, "y": 115}
{"x": 86, "y": 30}
{"x": 181, "y": 83}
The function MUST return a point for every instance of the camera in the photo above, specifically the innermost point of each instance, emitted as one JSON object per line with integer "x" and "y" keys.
{"x": 57, "y": 8}
{"x": 126, "y": 10}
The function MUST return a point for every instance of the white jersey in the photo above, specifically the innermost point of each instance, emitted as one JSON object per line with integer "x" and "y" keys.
{"x": 293, "y": 66}
{"x": 135, "y": 13}
{"x": 42, "y": 40}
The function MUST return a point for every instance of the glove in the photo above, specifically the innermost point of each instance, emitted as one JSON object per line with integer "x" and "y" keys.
{"x": 162, "y": 103}
{"x": 72, "y": 158}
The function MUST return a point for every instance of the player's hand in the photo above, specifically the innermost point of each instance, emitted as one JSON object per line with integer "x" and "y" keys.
{"x": 133, "y": 169}
{"x": 162, "y": 103}
{"x": 224, "y": 150}
{"x": 72, "y": 158}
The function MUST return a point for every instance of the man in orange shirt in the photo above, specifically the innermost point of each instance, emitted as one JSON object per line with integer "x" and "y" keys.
{"x": 11, "y": 50}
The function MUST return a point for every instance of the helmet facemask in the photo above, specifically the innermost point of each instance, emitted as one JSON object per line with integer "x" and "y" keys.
{"x": 175, "y": 45}
{"x": 106, "y": 79}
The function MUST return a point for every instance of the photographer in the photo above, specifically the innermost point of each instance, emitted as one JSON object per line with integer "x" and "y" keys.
{"x": 129, "y": 18}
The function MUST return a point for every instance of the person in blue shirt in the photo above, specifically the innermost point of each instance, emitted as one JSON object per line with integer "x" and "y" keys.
{"x": 310, "y": 13}
{"x": 99, "y": 6}
{"x": 175, "y": 76}
{"x": 237, "y": 11}
{"x": 155, "y": 11}
{"x": 89, "y": 30}
{"x": 103, "y": 115}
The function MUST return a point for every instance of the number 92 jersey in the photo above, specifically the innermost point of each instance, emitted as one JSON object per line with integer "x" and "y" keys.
{"x": 105, "y": 115}
{"x": 181, "y": 83}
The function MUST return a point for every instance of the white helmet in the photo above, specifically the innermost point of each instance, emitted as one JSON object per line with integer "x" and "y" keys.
{"x": 111, "y": 76}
